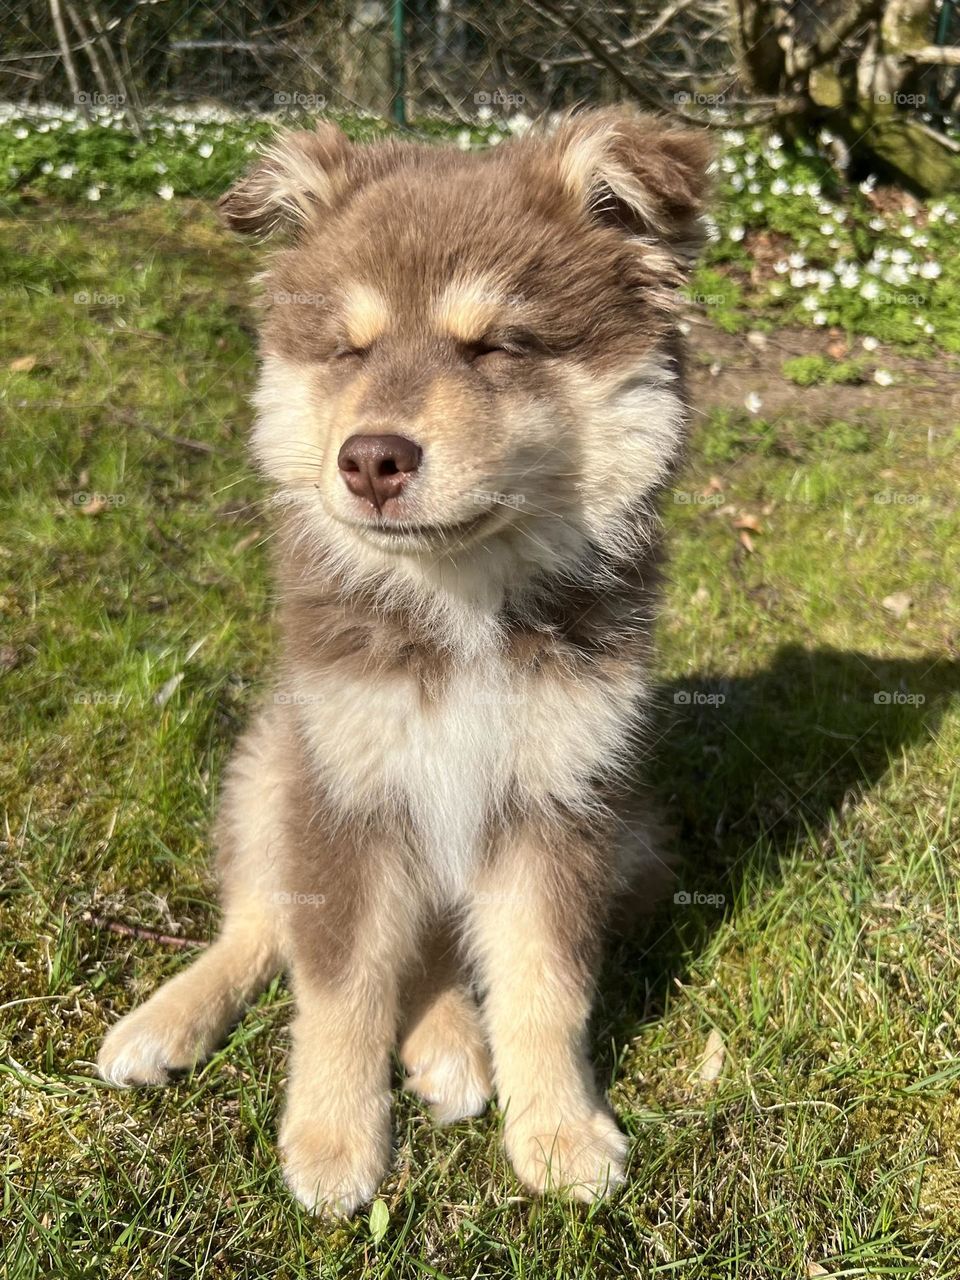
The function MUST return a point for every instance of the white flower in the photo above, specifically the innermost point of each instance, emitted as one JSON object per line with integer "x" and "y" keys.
{"x": 93, "y": 193}
{"x": 798, "y": 279}
{"x": 205, "y": 149}
{"x": 728, "y": 164}
{"x": 797, "y": 260}
{"x": 877, "y": 224}
{"x": 827, "y": 228}
{"x": 66, "y": 171}
{"x": 21, "y": 133}
{"x": 819, "y": 317}
{"x": 883, "y": 377}
{"x": 870, "y": 344}
{"x": 757, "y": 206}
{"x": 928, "y": 328}
{"x": 930, "y": 270}
{"x": 775, "y": 141}
{"x": 736, "y": 233}
{"x": 781, "y": 267}
{"x": 160, "y": 167}
{"x": 778, "y": 187}
{"x": 46, "y": 167}
{"x": 165, "y": 192}
{"x": 776, "y": 161}
{"x": 754, "y": 188}
{"x": 868, "y": 184}
{"x": 736, "y": 182}
{"x": 752, "y": 402}
{"x": 811, "y": 302}
{"x": 870, "y": 291}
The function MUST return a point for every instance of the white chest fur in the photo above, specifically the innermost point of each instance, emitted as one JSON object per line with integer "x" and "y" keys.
{"x": 452, "y": 760}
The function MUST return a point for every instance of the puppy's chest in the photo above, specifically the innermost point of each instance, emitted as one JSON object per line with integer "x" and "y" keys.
{"x": 449, "y": 759}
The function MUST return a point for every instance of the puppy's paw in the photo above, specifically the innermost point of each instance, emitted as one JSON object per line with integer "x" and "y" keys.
{"x": 455, "y": 1080}
{"x": 149, "y": 1043}
{"x": 333, "y": 1171}
{"x": 580, "y": 1156}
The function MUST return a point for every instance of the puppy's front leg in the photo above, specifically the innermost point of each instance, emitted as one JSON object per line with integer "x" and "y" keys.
{"x": 335, "y": 1133}
{"x": 535, "y": 922}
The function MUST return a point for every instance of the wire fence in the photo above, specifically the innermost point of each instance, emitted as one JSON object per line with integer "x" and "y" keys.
{"x": 457, "y": 58}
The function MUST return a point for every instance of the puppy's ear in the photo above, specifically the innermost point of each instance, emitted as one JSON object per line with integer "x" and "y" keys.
{"x": 299, "y": 175}
{"x": 633, "y": 171}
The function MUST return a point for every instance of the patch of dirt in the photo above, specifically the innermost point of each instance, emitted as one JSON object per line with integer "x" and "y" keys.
{"x": 724, "y": 369}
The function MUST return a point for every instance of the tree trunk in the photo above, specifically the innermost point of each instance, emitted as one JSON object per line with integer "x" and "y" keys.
{"x": 858, "y": 64}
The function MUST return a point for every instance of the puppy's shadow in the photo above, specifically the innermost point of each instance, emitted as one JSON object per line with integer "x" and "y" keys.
{"x": 743, "y": 767}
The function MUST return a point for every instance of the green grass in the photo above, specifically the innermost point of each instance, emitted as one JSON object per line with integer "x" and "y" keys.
{"x": 805, "y": 751}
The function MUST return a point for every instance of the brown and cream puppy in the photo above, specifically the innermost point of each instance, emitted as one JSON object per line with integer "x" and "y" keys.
{"x": 469, "y": 401}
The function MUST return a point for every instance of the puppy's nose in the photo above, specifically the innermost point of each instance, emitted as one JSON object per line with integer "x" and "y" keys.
{"x": 377, "y": 467}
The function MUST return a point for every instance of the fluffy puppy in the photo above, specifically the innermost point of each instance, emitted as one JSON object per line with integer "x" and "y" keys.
{"x": 470, "y": 398}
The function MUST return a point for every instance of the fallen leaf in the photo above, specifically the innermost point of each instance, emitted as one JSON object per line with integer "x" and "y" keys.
{"x": 23, "y": 364}
{"x": 747, "y": 521}
{"x": 837, "y": 348}
{"x": 168, "y": 689}
{"x": 8, "y": 658}
{"x": 711, "y": 1063}
{"x": 379, "y": 1220}
{"x": 700, "y": 596}
{"x": 815, "y": 1269}
{"x": 714, "y": 485}
{"x": 756, "y": 339}
{"x": 898, "y": 604}
{"x": 746, "y": 541}
{"x": 247, "y": 541}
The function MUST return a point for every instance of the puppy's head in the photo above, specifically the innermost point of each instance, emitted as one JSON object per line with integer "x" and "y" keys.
{"x": 473, "y": 351}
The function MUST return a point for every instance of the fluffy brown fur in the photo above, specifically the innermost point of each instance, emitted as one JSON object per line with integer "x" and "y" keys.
{"x": 428, "y": 823}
